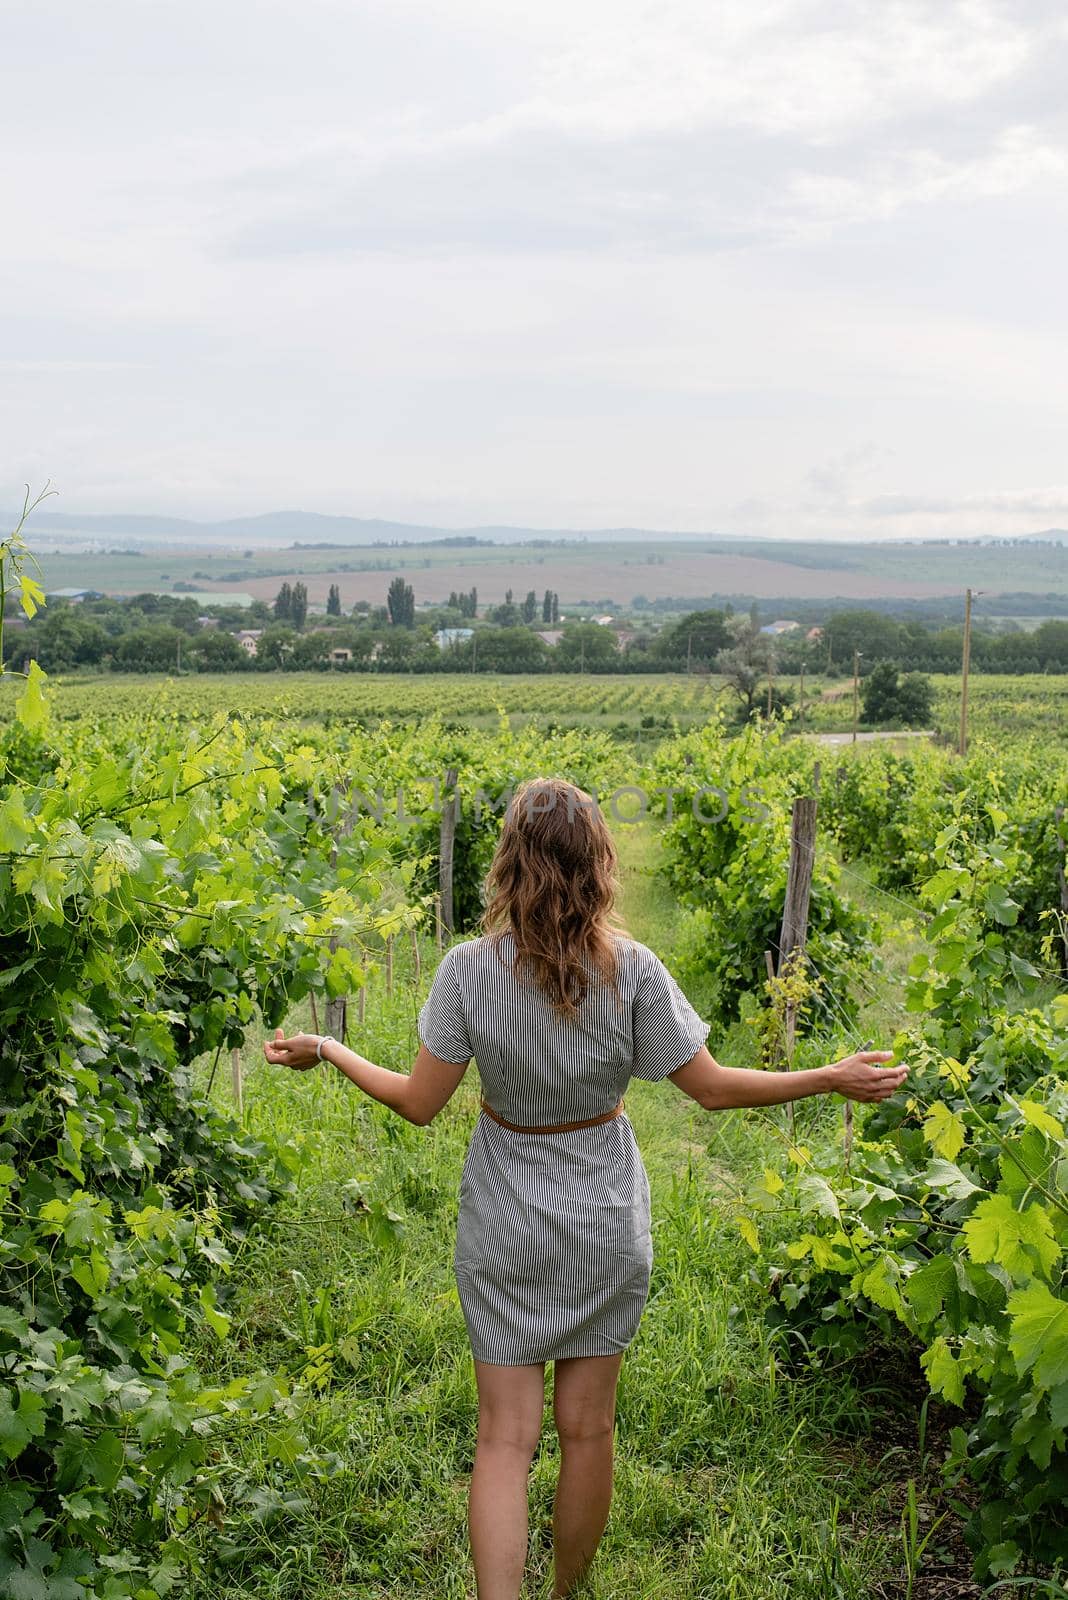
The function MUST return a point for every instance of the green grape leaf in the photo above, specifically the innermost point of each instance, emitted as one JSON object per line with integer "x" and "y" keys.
{"x": 1001, "y": 906}
{"x": 218, "y": 1321}
{"x": 1038, "y": 1437}
{"x": 91, "y": 1273}
{"x": 943, "y": 884}
{"x": 105, "y": 1459}
{"x": 1038, "y": 1335}
{"x": 31, "y": 707}
{"x": 1016, "y": 1240}
{"x": 1024, "y": 1156}
{"x": 948, "y": 1179}
{"x": 816, "y": 1194}
{"x": 879, "y": 1283}
{"x": 951, "y": 956}
{"x": 31, "y": 595}
{"x": 22, "y": 1418}
{"x": 943, "y": 1371}
{"x": 44, "y": 880}
{"x": 1040, "y": 1118}
{"x": 1058, "y": 1405}
{"x": 1003, "y": 1558}
{"x": 944, "y": 1131}
{"x": 748, "y": 1230}
{"x": 928, "y": 1288}
{"x": 16, "y": 824}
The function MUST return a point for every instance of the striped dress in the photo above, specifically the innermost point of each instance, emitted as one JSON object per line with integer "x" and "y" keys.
{"x": 553, "y": 1248}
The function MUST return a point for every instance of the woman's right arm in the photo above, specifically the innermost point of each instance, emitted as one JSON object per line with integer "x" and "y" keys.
{"x": 717, "y": 1088}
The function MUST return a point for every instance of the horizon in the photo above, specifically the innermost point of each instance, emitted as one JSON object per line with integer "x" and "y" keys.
{"x": 73, "y": 523}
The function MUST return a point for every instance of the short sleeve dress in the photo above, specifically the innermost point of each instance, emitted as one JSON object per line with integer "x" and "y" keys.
{"x": 553, "y": 1248}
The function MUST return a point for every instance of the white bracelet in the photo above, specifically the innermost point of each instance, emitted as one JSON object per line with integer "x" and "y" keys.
{"x": 327, "y": 1038}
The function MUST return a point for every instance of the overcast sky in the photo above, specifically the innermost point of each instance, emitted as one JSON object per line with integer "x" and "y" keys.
{"x": 757, "y": 266}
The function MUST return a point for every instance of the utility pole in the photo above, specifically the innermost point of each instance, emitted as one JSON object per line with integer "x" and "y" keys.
{"x": 966, "y": 661}
{"x": 856, "y": 682}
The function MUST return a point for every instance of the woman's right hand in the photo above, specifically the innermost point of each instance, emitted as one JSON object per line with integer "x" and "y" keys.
{"x": 299, "y": 1052}
{"x": 859, "y": 1077}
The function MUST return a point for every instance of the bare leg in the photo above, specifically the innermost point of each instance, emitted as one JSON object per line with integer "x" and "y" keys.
{"x": 584, "y": 1406}
{"x": 510, "y": 1405}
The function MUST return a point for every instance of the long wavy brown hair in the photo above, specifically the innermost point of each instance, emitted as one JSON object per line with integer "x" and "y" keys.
{"x": 552, "y": 885}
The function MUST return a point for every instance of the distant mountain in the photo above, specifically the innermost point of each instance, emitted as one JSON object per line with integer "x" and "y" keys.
{"x": 279, "y": 527}
{"x": 109, "y": 524}
{"x": 313, "y": 527}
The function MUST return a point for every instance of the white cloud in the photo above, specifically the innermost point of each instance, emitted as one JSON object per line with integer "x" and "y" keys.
{"x": 782, "y": 66}
{"x": 675, "y": 126}
{"x": 1018, "y": 158}
{"x": 702, "y": 263}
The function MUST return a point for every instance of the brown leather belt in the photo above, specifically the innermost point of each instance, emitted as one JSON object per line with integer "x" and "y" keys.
{"x": 561, "y": 1127}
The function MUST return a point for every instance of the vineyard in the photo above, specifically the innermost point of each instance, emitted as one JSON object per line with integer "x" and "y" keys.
{"x": 233, "y": 1357}
{"x": 629, "y": 707}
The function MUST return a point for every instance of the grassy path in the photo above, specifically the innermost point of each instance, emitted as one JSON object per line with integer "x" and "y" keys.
{"x": 728, "y": 1484}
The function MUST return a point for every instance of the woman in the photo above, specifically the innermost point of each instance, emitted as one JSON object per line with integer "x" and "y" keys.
{"x": 553, "y": 1254}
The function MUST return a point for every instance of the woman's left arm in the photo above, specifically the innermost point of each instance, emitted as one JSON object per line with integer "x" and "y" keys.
{"x": 417, "y": 1095}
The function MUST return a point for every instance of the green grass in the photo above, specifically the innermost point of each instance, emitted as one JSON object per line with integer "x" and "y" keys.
{"x": 732, "y": 1480}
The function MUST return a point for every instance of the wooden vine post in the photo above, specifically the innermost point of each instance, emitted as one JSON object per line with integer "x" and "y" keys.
{"x": 1062, "y": 884}
{"x": 237, "y": 1084}
{"x": 794, "y": 930}
{"x": 798, "y": 877}
{"x": 446, "y": 851}
{"x": 336, "y": 1010}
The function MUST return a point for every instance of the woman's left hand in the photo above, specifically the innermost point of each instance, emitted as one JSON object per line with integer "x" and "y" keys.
{"x": 299, "y": 1052}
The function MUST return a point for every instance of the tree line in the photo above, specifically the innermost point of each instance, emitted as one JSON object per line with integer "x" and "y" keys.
{"x": 153, "y": 633}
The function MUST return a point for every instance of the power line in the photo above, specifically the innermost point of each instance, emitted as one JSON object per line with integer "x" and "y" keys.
{"x": 910, "y": 906}
{"x": 925, "y": 916}
{"x": 901, "y": 1018}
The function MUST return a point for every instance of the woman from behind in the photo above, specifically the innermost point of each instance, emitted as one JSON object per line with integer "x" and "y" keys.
{"x": 560, "y": 1008}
